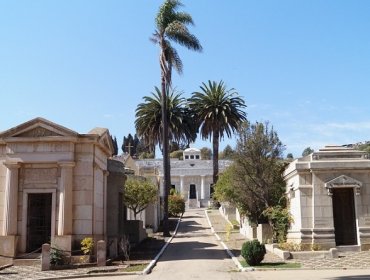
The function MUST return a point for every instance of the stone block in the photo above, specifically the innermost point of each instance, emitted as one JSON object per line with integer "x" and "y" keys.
{"x": 63, "y": 242}
{"x": 101, "y": 253}
{"x": 82, "y": 212}
{"x": 82, "y": 227}
{"x": 8, "y": 245}
{"x": 84, "y": 197}
{"x": 264, "y": 232}
{"x": 45, "y": 257}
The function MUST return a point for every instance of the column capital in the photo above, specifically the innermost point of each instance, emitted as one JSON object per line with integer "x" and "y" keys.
{"x": 66, "y": 163}
{"x": 12, "y": 164}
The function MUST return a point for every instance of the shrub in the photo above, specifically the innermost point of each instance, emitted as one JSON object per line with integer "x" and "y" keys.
{"x": 176, "y": 205}
{"x": 253, "y": 252}
{"x": 280, "y": 220}
{"x": 87, "y": 245}
{"x": 57, "y": 257}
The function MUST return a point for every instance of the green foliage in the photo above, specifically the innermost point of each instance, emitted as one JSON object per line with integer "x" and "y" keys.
{"x": 224, "y": 189}
{"x": 87, "y": 245}
{"x": 176, "y": 205}
{"x": 227, "y": 153}
{"x": 307, "y": 151}
{"x": 177, "y": 154}
{"x": 138, "y": 194}
{"x": 257, "y": 176}
{"x": 280, "y": 220}
{"x": 57, "y": 257}
{"x": 205, "y": 153}
{"x": 290, "y": 156}
{"x": 219, "y": 111}
{"x": 148, "y": 121}
{"x": 253, "y": 252}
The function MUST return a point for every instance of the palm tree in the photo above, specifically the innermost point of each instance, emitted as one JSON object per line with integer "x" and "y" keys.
{"x": 218, "y": 111}
{"x": 171, "y": 25}
{"x": 148, "y": 121}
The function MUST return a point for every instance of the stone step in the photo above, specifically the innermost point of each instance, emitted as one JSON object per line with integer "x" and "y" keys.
{"x": 349, "y": 248}
{"x": 193, "y": 203}
{"x": 27, "y": 262}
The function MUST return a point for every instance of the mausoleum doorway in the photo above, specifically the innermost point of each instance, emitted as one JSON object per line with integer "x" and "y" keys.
{"x": 193, "y": 192}
{"x": 344, "y": 216}
{"x": 39, "y": 213}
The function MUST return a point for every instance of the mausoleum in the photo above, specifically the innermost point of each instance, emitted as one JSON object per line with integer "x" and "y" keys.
{"x": 53, "y": 186}
{"x": 329, "y": 198}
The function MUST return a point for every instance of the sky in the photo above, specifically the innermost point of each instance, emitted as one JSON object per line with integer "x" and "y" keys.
{"x": 304, "y": 66}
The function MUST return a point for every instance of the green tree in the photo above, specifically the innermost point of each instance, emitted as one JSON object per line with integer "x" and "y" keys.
{"x": 115, "y": 145}
{"x": 206, "y": 153}
{"x": 227, "y": 153}
{"x": 254, "y": 182}
{"x": 138, "y": 194}
{"x": 218, "y": 111}
{"x": 307, "y": 151}
{"x": 290, "y": 156}
{"x": 149, "y": 119}
{"x": 259, "y": 167}
{"x": 171, "y": 26}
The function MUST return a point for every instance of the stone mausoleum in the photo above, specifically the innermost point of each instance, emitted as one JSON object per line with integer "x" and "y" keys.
{"x": 53, "y": 186}
{"x": 329, "y": 195}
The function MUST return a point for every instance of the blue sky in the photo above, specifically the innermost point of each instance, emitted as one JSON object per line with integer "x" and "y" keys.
{"x": 302, "y": 65}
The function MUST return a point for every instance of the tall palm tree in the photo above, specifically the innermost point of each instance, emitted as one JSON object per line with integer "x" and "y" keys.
{"x": 171, "y": 25}
{"x": 148, "y": 121}
{"x": 219, "y": 111}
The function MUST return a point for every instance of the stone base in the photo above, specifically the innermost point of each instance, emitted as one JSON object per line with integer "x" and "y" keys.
{"x": 63, "y": 242}
{"x": 8, "y": 245}
{"x": 264, "y": 233}
{"x": 135, "y": 231}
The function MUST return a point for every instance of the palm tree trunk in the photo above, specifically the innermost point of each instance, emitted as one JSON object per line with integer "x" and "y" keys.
{"x": 166, "y": 158}
{"x": 215, "y": 143}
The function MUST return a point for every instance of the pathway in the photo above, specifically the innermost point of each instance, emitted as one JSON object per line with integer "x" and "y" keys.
{"x": 195, "y": 254}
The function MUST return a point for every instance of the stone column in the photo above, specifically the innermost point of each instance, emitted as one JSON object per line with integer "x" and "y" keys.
{"x": 181, "y": 184}
{"x": 65, "y": 198}
{"x": 11, "y": 199}
{"x": 202, "y": 188}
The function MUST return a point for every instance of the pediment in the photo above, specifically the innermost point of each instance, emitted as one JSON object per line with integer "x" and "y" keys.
{"x": 36, "y": 128}
{"x": 105, "y": 139}
{"x": 343, "y": 181}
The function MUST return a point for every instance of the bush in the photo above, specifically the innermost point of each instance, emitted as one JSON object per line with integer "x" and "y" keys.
{"x": 57, "y": 257}
{"x": 280, "y": 220}
{"x": 176, "y": 205}
{"x": 253, "y": 252}
{"x": 87, "y": 245}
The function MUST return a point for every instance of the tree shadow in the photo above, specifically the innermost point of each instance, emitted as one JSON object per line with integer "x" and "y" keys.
{"x": 191, "y": 250}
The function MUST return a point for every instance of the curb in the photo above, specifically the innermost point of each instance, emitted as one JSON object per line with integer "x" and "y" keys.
{"x": 231, "y": 255}
{"x": 150, "y": 266}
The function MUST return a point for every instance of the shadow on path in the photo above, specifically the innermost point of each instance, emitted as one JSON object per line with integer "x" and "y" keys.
{"x": 193, "y": 250}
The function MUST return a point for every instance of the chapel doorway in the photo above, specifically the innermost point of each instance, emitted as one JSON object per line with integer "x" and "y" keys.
{"x": 38, "y": 220}
{"x": 344, "y": 216}
{"x": 193, "y": 192}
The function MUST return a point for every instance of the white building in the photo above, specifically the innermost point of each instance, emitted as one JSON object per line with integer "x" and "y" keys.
{"x": 329, "y": 193}
{"x": 192, "y": 177}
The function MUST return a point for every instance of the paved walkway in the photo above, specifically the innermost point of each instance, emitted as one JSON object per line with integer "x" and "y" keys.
{"x": 195, "y": 253}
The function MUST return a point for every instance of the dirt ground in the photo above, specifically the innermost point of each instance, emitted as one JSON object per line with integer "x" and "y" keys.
{"x": 148, "y": 248}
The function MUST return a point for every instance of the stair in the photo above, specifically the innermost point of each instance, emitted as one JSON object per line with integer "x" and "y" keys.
{"x": 28, "y": 260}
{"x": 349, "y": 248}
{"x": 192, "y": 203}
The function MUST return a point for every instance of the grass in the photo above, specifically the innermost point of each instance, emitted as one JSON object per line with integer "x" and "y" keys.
{"x": 134, "y": 268}
{"x": 273, "y": 265}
